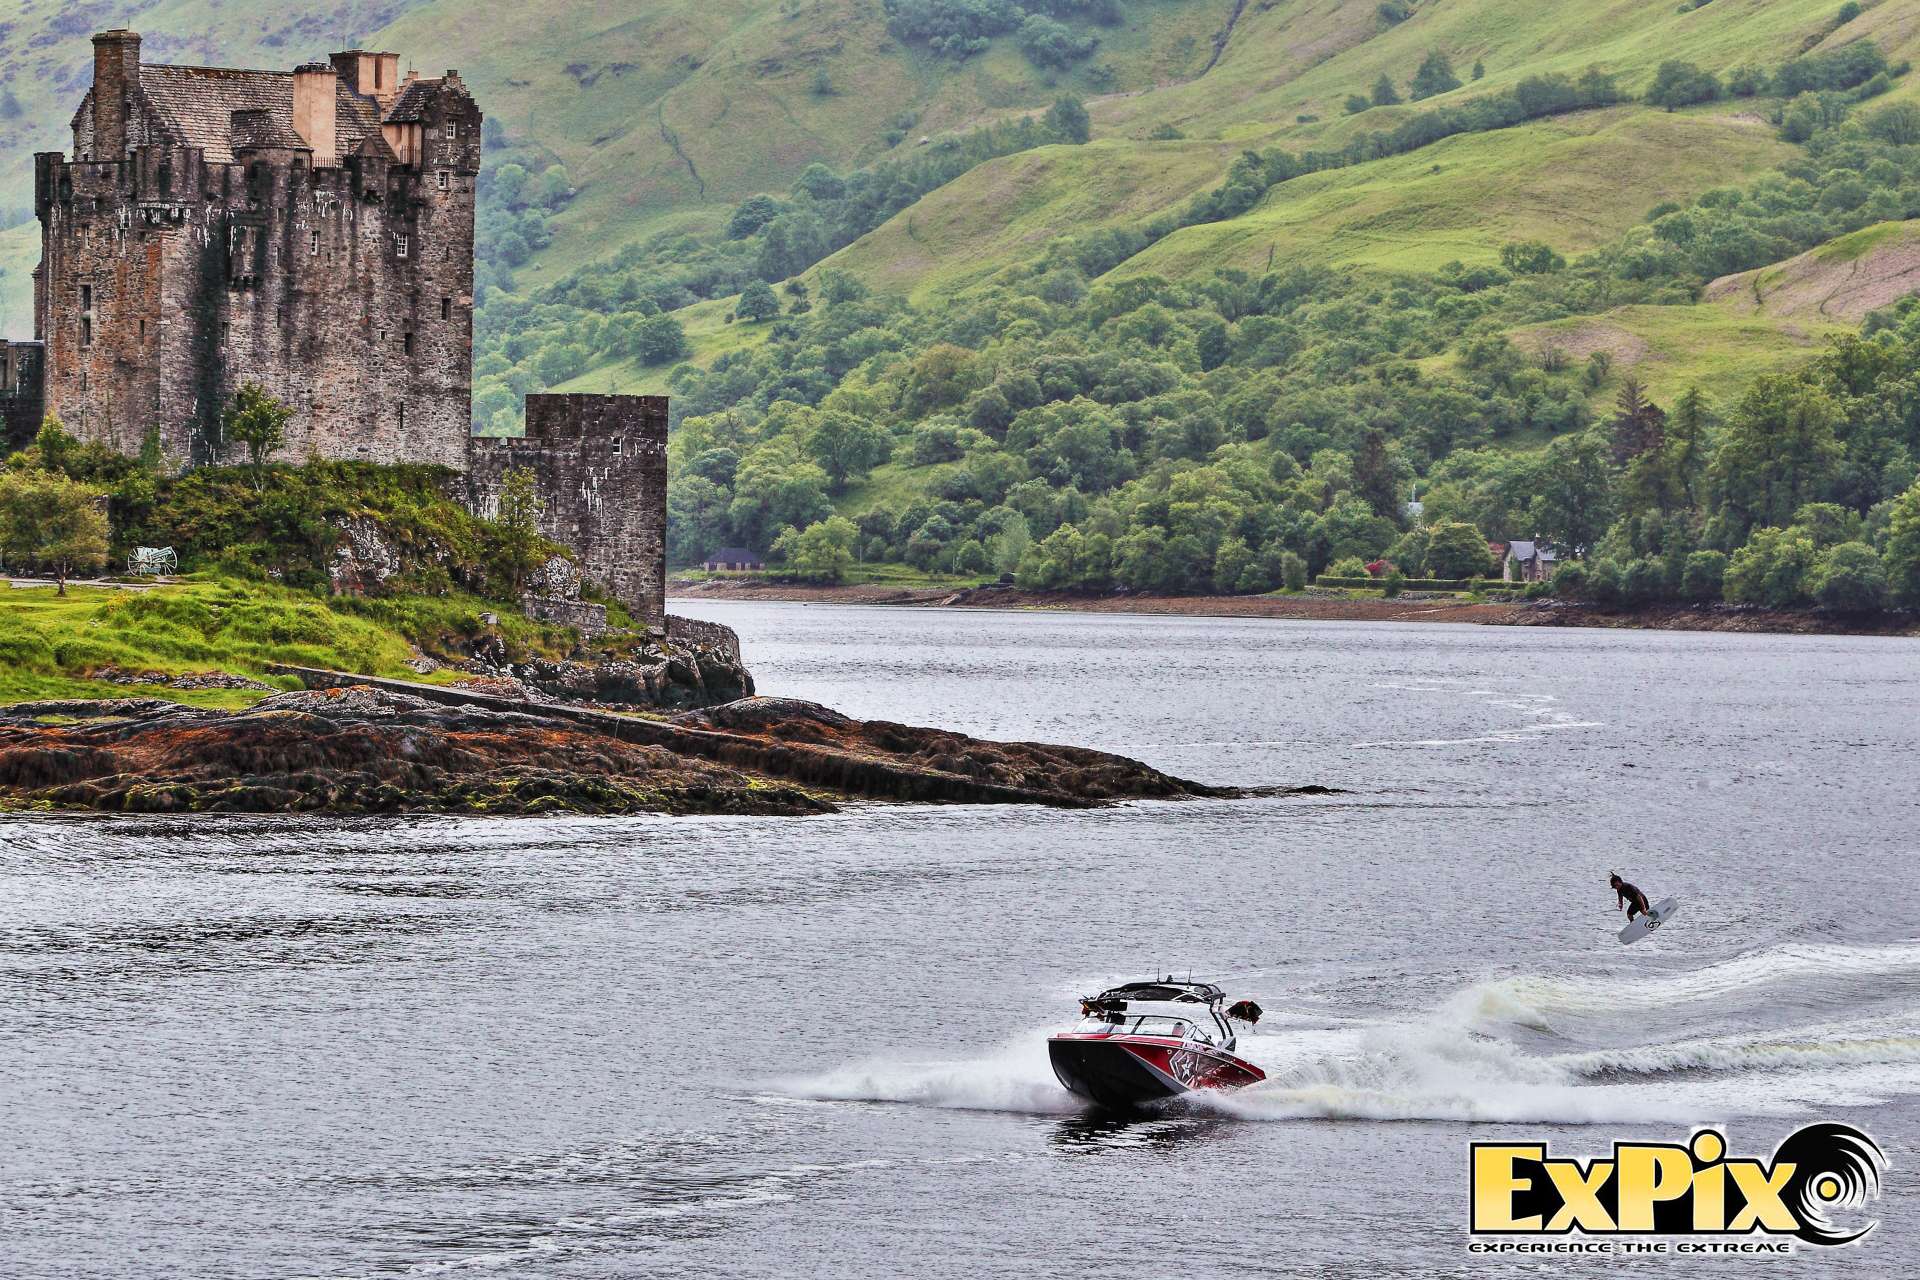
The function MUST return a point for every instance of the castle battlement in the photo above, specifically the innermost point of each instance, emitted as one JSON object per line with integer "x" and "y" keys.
{"x": 309, "y": 230}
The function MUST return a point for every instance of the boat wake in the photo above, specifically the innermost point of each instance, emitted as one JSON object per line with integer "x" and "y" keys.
{"x": 1535, "y": 1049}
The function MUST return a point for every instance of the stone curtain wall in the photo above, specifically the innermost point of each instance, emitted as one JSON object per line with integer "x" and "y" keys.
{"x": 22, "y": 398}
{"x": 600, "y": 469}
{"x": 705, "y": 635}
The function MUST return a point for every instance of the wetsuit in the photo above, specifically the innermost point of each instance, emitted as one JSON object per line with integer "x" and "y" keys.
{"x": 1636, "y": 901}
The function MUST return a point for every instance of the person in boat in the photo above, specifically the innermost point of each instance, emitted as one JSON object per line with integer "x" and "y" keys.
{"x": 1630, "y": 897}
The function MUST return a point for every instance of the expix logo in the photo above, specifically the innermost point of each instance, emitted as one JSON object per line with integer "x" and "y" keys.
{"x": 1670, "y": 1189}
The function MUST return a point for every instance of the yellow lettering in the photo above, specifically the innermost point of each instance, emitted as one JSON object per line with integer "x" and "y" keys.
{"x": 1710, "y": 1198}
{"x": 1648, "y": 1175}
{"x": 1494, "y": 1184}
{"x": 1761, "y": 1187}
{"x": 1579, "y": 1196}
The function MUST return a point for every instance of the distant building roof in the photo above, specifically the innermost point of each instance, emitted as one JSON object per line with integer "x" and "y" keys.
{"x": 1531, "y": 551}
{"x": 734, "y": 555}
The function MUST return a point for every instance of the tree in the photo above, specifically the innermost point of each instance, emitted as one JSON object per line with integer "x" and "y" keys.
{"x": 1849, "y": 577}
{"x": 1384, "y": 94}
{"x": 556, "y": 187}
{"x": 1434, "y": 76}
{"x": 1530, "y": 257}
{"x": 823, "y": 83}
{"x": 757, "y": 302}
{"x": 1777, "y": 453}
{"x": 1704, "y": 578}
{"x": 48, "y": 519}
{"x": 1575, "y": 502}
{"x": 1356, "y": 103}
{"x": 1067, "y": 120}
{"x": 517, "y": 524}
{"x": 1293, "y": 571}
{"x": 1772, "y": 569}
{"x": 1457, "y": 551}
{"x": 510, "y": 184}
{"x": 1375, "y": 477}
{"x": 1898, "y": 123}
{"x": 258, "y": 421}
{"x": 1212, "y": 344}
{"x": 752, "y": 214}
{"x": 1052, "y": 44}
{"x": 1479, "y": 69}
{"x": 1681, "y": 84}
{"x": 847, "y": 446}
{"x": 1637, "y": 422}
{"x": 1903, "y": 549}
{"x": 821, "y": 553}
{"x": 970, "y": 558}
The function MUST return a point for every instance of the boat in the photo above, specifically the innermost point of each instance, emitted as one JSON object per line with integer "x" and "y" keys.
{"x": 1145, "y": 1042}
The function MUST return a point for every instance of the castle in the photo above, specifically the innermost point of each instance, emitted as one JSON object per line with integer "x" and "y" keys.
{"x": 312, "y": 232}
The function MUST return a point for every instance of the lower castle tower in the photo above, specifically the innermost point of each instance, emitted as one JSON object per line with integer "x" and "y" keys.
{"x": 600, "y": 469}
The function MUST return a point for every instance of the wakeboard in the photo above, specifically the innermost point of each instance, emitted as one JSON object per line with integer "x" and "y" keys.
{"x": 1646, "y": 922}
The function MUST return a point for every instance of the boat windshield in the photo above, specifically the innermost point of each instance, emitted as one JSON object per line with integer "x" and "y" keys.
{"x": 1146, "y": 1025}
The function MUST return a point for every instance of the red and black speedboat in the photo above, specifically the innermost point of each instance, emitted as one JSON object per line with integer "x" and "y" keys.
{"x": 1148, "y": 1041}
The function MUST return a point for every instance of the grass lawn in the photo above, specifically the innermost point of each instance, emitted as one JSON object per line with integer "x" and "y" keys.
{"x": 48, "y": 643}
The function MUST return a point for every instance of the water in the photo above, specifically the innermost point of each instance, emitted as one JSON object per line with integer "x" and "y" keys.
{"x": 691, "y": 1047}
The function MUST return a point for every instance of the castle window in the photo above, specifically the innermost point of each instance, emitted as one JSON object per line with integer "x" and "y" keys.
{"x": 453, "y": 131}
{"x": 86, "y": 331}
{"x": 313, "y": 242}
{"x": 403, "y": 415}
{"x": 401, "y": 244}
{"x": 446, "y": 308}
{"x": 616, "y": 446}
{"x": 441, "y": 178}
{"x": 406, "y": 343}
{"x": 86, "y": 297}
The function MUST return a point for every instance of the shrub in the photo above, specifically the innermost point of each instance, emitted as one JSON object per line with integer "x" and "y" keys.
{"x": 1850, "y": 578}
{"x": 1570, "y": 581}
{"x": 1293, "y": 571}
{"x": 1394, "y": 584}
{"x": 1349, "y": 567}
{"x": 1704, "y": 578}
{"x": 1457, "y": 551}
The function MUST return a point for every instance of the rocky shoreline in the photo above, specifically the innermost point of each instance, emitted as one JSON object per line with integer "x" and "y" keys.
{"x": 380, "y": 748}
{"x": 1328, "y": 608}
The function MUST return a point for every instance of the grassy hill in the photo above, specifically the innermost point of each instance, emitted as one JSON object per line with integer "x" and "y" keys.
{"x": 1314, "y": 249}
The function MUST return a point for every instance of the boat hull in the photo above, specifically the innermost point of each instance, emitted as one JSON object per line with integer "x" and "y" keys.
{"x": 1125, "y": 1072}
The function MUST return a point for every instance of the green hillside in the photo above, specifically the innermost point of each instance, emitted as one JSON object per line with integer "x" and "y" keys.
{"x": 1182, "y": 294}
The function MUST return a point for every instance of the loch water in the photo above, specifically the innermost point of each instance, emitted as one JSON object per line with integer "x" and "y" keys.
{"x": 644, "y": 1047}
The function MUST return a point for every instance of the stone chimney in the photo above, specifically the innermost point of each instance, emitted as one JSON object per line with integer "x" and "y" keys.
{"x": 371, "y": 75}
{"x": 116, "y": 77}
{"x": 313, "y": 111}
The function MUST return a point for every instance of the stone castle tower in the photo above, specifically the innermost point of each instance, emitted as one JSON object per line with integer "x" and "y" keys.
{"x": 310, "y": 231}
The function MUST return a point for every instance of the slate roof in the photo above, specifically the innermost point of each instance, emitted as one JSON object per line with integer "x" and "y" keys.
{"x": 259, "y": 127}
{"x": 734, "y": 555}
{"x": 411, "y": 106}
{"x": 1524, "y": 551}
{"x": 195, "y": 105}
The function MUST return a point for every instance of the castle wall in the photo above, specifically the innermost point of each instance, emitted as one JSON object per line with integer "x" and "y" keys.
{"x": 168, "y": 281}
{"x": 600, "y": 470}
{"x": 22, "y": 394}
